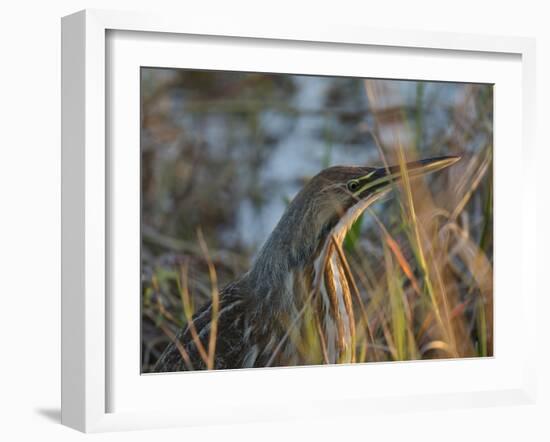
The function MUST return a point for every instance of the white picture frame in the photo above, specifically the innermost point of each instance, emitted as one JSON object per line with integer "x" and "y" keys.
{"x": 89, "y": 319}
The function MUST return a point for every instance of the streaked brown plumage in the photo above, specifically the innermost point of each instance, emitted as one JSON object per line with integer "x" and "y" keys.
{"x": 297, "y": 267}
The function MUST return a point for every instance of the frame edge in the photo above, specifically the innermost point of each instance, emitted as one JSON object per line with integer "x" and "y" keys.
{"x": 73, "y": 81}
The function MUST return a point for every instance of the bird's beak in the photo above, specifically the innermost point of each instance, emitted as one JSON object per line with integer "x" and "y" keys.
{"x": 382, "y": 177}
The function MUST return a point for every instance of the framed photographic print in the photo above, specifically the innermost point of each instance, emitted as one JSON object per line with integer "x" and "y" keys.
{"x": 249, "y": 213}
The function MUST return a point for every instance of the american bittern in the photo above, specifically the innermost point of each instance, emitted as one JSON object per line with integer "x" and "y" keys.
{"x": 298, "y": 266}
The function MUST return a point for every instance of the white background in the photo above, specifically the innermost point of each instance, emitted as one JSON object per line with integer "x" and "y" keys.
{"x": 30, "y": 217}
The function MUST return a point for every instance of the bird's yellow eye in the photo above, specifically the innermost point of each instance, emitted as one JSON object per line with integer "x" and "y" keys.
{"x": 353, "y": 185}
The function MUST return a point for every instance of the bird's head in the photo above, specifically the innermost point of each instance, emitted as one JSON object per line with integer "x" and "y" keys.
{"x": 338, "y": 195}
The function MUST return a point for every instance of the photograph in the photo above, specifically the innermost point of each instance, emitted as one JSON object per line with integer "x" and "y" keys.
{"x": 303, "y": 220}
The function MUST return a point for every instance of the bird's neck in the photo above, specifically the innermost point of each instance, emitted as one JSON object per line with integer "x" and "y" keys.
{"x": 297, "y": 266}
{"x": 282, "y": 272}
